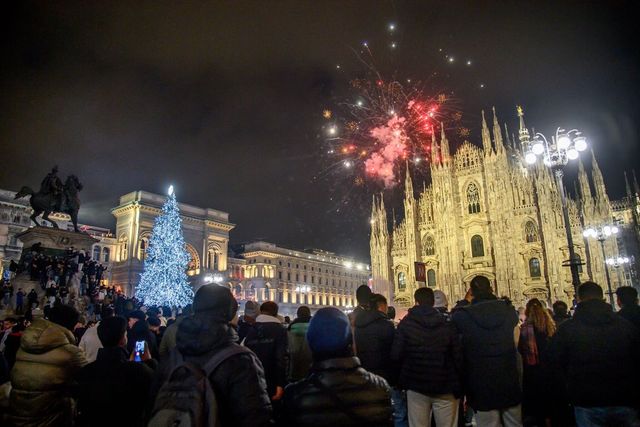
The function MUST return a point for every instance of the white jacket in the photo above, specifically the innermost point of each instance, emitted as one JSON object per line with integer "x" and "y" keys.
{"x": 90, "y": 343}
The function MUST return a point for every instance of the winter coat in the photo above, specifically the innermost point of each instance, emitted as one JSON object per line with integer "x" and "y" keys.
{"x": 598, "y": 351}
{"x": 112, "y": 381}
{"x": 238, "y": 383}
{"x": 491, "y": 378}
{"x": 374, "y": 339}
{"x": 42, "y": 376}
{"x": 427, "y": 348}
{"x": 268, "y": 340}
{"x": 90, "y": 343}
{"x": 168, "y": 342}
{"x": 365, "y": 395}
{"x": 299, "y": 352}
{"x": 632, "y": 314}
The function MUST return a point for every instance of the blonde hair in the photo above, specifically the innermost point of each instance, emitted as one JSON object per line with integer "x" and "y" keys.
{"x": 539, "y": 317}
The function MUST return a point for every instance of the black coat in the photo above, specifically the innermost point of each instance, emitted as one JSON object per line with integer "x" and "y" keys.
{"x": 632, "y": 314}
{"x": 239, "y": 384}
{"x": 374, "y": 339}
{"x": 269, "y": 341}
{"x": 113, "y": 391}
{"x": 491, "y": 378}
{"x": 598, "y": 351}
{"x": 427, "y": 348}
{"x": 366, "y": 395}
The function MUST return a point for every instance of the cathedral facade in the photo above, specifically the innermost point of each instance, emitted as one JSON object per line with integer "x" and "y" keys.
{"x": 486, "y": 212}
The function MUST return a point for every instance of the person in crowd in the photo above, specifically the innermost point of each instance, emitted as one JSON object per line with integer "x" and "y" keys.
{"x": 46, "y": 365}
{"x": 248, "y": 319}
{"x": 337, "y": 391}
{"x": 12, "y": 343}
{"x": 598, "y": 351}
{"x": 560, "y": 312}
{"x": 391, "y": 314}
{"x": 168, "y": 342}
{"x": 7, "y": 325}
{"x": 490, "y": 332}
{"x": 363, "y": 295}
{"x": 140, "y": 331}
{"x": 427, "y": 349}
{"x": 537, "y": 383}
{"x": 268, "y": 340}
{"x": 90, "y": 343}
{"x": 374, "y": 338}
{"x": 238, "y": 383}
{"x": 32, "y": 299}
{"x": 113, "y": 381}
{"x": 20, "y": 301}
{"x": 154, "y": 327}
{"x": 627, "y": 299}
{"x": 299, "y": 351}
{"x": 440, "y": 302}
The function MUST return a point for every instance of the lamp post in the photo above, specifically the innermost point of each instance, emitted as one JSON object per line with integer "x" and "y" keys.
{"x": 616, "y": 263}
{"x": 601, "y": 234}
{"x": 565, "y": 146}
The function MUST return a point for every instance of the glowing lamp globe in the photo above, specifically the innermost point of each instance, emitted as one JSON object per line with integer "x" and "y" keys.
{"x": 606, "y": 230}
{"x": 563, "y": 142}
{"x": 538, "y": 147}
{"x": 572, "y": 154}
{"x": 614, "y": 230}
{"x": 530, "y": 158}
{"x": 580, "y": 143}
{"x": 170, "y": 191}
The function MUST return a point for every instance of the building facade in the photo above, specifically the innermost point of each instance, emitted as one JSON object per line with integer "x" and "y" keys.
{"x": 291, "y": 278}
{"x": 486, "y": 213}
{"x": 206, "y": 234}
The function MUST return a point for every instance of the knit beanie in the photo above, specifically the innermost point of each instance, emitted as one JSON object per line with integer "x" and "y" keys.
{"x": 329, "y": 334}
{"x": 217, "y": 300}
{"x": 439, "y": 299}
{"x": 251, "y": 309}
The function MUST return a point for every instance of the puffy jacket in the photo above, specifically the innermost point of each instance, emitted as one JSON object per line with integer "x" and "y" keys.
{"x": 598, "y": 351}
{"x": 268, "y": 340}
{"x": 42, "y": 376}
{"x": 239, "y": 379}
{"x": 427, "y": 348}
{"x": 374, "y": 338}
{"x": 299, "y": 352}
{"x": 366, "y": 395}
{"x": 492, "y": 375}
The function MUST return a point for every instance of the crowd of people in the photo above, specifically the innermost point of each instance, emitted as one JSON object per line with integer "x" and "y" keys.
{"x": 480, "y": 362}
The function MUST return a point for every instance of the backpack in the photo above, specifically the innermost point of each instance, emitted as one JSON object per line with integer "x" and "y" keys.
{"x": 187, "y": 399}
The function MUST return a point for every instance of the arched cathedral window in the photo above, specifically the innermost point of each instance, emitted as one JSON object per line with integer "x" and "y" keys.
{"x": 473, "y": 198}
{"x": 431, "y": 278}
{"x": 429, "y": 246}
{"x": 534, "y": 267}
{"x": 477, "y": 246}
{"x": 530, "y": 232}
{"x": 402, "y": 281}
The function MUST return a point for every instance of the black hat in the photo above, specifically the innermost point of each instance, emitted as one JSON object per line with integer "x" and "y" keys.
{"x": 216, "y": 299}
{"x": 136, "y": 314}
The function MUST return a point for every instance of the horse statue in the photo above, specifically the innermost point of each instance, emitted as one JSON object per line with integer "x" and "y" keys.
{"x": 63, "y": 198}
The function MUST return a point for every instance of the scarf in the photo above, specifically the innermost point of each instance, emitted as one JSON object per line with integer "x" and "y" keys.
{"x": 528, "y": 345}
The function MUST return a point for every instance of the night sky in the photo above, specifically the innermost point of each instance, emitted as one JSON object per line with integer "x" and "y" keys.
{"x": 224, "y": 99}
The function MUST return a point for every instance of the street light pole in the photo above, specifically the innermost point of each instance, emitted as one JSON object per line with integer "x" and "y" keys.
{"x": 573, "y": 262}
{"x": 601, "y": 234}
{"x": 606, "y": 271}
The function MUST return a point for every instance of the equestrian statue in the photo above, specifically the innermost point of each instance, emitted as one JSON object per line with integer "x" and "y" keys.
{"x": 54, "y": 197}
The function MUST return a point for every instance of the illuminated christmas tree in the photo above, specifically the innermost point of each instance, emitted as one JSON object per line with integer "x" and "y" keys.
{"x": 164, "y": 279}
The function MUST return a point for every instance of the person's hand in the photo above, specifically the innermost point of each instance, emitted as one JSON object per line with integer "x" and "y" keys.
{"x": 279, "y": 393}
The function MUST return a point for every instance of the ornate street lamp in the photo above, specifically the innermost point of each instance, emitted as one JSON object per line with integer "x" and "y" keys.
{"x": 565, "y": 146}
{"x": 601, "y": 234}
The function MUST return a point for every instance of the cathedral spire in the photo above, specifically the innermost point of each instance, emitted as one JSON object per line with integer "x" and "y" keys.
{"x": 486, "y": 136}
{"x": 510, "y": 142}
{"x": 374, "y": 217}
{"x": 598, "y": 181}
{"x": 408, "y": 184}
{"x": 435, "y": 151}
{"x": 497, "y": 133}
{"x": 444, "y": 145}
{"x": 583, "y": 179}
{"x": 627, "y": 186}
{"x": 523, "y": 132}
{"x": 636, "y": 188}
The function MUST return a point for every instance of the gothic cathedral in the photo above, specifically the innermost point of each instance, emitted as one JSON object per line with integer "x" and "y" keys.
{"x": 486, "y": 213}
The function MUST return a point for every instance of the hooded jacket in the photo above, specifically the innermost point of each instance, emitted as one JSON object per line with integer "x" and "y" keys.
{"x": 238, "y": 382}
{"x": 299, "y": 351}
{"x": 598, "y": 351}
{"x": 491, "y": 377}
{"x": 268, "y": 340}
{"x": 374, "y": 339}
{"x": 365, "y": 395}
{"x": 427, "y": 348}
{"x": 42, "y": 376}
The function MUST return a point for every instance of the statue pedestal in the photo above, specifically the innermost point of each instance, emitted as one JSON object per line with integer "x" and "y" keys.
{"x": 54, "y": 241}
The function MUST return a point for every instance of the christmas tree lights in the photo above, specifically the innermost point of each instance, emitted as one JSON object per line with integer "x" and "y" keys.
{"x": 164, "y": 278}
